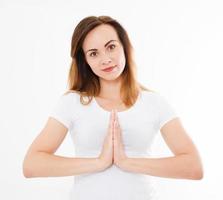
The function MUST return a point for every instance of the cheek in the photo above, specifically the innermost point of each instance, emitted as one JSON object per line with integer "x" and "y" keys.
{"x": 92, "y": 63}
{"x": 121, "y": 58}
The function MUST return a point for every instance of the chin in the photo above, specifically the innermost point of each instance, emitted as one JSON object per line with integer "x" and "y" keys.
{"x": 110, "y": 78}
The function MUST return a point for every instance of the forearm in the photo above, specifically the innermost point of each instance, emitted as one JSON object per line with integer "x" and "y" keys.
{"x": 43, "y": 164}
{"x": 182, "y": 166}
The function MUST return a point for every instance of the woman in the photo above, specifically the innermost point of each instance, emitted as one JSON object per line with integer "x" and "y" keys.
{"x": 112, "y": 120}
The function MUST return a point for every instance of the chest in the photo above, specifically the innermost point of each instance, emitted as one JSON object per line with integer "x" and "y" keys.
{"x": 137, "y": 130}
{"x": 108, "y": 105}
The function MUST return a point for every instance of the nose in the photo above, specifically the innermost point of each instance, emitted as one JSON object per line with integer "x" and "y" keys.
{"x": 105, "y": 60}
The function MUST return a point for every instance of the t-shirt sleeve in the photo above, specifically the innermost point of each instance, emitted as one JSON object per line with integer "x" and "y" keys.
{"x": 165, "y": 111}
{"x": 62, "y": 110}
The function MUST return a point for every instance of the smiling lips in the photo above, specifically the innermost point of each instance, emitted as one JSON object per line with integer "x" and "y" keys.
{"x": 108, "y": 69}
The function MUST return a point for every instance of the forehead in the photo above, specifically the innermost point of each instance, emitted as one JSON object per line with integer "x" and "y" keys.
{"x": 99, "y": 36}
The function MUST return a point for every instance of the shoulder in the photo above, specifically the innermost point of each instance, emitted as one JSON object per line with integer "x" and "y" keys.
{"x": 155, "y": 98}
{"x": 150, "y": 94}
{"x": 71, "y": 94}
{"x": 69, "y": 97}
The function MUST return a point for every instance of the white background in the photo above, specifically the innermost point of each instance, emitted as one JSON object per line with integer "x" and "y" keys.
{"x": 178, "y": 48}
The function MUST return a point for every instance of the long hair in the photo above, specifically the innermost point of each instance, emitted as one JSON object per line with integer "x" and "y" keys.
{"x": 81, "y": 78}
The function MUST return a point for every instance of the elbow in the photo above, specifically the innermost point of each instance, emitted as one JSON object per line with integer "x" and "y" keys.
{"x": 197, "y": 172}
{"x": 27, "y": 167}
{"x": 193, "y": 168}
{"x": 27, "y": 172}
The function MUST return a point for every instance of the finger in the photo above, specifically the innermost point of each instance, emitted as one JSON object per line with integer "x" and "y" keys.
{"x": 116, "y": 116}
{"x": 115, "y": 139}
{"x": 116, "y": 131}
{"x": 115, "y": 113}
{"x": 115, "y": 128}
{"x": 111, "y": 123}
{"x": 112, "y": 116}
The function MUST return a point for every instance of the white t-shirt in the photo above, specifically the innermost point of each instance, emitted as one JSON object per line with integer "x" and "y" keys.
{"x": 88, "y": 127}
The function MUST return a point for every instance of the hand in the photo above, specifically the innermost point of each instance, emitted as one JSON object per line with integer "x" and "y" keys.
{"x": 106, "y": 156}
{"x": 119, "y": 152}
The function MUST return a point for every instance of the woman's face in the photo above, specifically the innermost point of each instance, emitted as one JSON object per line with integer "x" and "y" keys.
{"x": 103, "y": 49}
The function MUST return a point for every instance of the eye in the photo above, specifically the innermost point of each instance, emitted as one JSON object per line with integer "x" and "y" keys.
{"x": 112, "y": 46}
{"x": 93, "y": 54}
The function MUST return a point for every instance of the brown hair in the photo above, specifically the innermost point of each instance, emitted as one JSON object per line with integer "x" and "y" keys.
{"x": 81, "y": 78}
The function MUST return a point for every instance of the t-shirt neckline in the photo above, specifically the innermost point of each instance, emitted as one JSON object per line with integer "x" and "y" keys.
{"x": 120, "y": 112}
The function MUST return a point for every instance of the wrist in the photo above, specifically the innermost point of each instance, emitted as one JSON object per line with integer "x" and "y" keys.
{"x": 101, "y": 165}
{"x": 127, "y": 164}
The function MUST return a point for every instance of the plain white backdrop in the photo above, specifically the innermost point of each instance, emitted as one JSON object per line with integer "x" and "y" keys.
{"x": 178, "y": 51}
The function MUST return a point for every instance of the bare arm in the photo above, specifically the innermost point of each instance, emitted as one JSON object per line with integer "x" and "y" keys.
{"x": 40, "y": 160}
{"x": 186, "y": 164}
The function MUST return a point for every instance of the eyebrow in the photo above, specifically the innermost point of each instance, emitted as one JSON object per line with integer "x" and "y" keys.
{"x": 107, "y": 43}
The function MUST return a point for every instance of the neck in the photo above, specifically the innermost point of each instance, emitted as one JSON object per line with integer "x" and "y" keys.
{"x": 110, "y": 89}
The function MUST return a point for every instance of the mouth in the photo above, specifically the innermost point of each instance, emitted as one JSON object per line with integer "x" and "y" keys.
{"x": 108, "y": 69}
